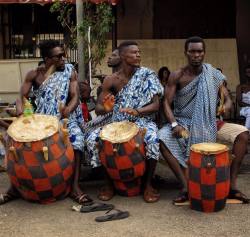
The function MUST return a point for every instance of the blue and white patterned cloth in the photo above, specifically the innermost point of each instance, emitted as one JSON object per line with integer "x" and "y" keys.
{"x": 139, "y": 92}
{"x": 195, "y": 110}
{"x": 51, "y": 94}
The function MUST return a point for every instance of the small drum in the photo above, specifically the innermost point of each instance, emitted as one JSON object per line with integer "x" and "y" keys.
{"x": 209, "y": 177}
{"x": 40, "y": 159}
{"x": 122, "y": 153}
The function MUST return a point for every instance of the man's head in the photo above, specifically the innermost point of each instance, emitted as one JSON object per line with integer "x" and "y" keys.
{"x": 130, "y": 53}
{"x": 195, "y": 51}
{"x": 163, "y": 75}
{"x": 114, "y": 59}
{"x": 53, "y": 54}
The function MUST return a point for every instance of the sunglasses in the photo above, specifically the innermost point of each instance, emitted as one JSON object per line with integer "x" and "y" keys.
{"x": 58, "y": 56}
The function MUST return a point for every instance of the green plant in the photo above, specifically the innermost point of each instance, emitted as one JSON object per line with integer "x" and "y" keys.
{"x": 98, "y": 17}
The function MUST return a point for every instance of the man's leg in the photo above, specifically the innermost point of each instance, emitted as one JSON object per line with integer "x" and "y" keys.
{"x": 179, "y": 171}
{"x": 239, "y": 151}
{"x": 238, "y": 135}
{"x": 152, "y": 153}
{"x": 107, "y": 192}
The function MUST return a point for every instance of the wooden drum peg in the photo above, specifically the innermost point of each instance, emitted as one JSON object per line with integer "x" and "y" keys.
{"x": 65, "y": 123}
{"x": 65, "y": 134}
{"x": 14, "y": 153}
{"x": 46, "y": 153}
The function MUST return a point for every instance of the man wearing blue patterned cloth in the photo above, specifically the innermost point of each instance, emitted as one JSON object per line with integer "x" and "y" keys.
{"x": 132, "y": 94}
{"x": 193, "y": 90}
{"x": 56, "y": 93}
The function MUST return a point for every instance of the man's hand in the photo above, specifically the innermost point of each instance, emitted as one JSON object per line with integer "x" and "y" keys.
{"x": 65, "y": 112}
{"x": 131, "y": 111}
{"x": 179, "y": 131}
{"x": 108, "y": 102}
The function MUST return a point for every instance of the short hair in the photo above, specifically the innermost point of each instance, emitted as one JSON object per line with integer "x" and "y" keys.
{"x": 161, "y": 70}
{"x": 125, "y": 44}
{"x": 47, "y": 46}
{"x": 194, "y": 39}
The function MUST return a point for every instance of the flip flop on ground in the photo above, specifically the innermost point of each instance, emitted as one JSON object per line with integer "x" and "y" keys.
{"x": 82, "y": 199}
{"x": 181, "y": 198}
{"x": 5, "y": 197}
{"x": 94, "y": 207}
{"x": 117, "y": 215}
{"x": 236, "y": 194}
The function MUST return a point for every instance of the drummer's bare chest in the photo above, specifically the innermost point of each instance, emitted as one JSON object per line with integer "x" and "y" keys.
{"x": 119, "y": 83}
{"x": 184, "y": 80}
{"x": 38, "y": 80}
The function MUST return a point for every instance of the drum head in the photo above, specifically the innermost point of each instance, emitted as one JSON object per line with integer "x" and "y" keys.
{"x": 119, "y": 132}
{"x": 209, "y": 148}
{"x": 33, "y": 128}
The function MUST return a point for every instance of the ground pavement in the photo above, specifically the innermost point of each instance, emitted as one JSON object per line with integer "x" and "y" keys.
{"x": 20, "y": 218}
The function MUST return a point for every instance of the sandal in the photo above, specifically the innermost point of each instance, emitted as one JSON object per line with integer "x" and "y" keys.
{"x": 82, "y": 199}
{"x": 117, "y": 215}
{"x": 6, "y": 197}
{"x": 151, "y": 195}
{"x": 93, "y": 208}
{"x": 2, "y": 169}
{"x": 236, "y": 194}
{"x": 181, "y": 198}
{"x": 106, "y": 193}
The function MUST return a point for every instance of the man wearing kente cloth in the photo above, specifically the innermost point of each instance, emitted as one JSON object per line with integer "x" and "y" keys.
{"x": 55, "y": 88}
{"x": 132, "y": 94}
{"x": 193, "y": 90}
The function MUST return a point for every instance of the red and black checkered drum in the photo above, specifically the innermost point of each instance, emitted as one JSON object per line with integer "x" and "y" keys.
{"x": 209, "y": 177}
{"x": 40, "y": 159}
{"x": 122, "y": 153}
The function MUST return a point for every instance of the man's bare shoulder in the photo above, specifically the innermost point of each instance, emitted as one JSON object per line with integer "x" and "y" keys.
{"x": 31, "y": 75}
{"x": 175, "y": 76}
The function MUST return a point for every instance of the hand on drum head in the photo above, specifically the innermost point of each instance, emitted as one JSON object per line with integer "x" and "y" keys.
{"x": 180, "y": 132}
{"x": 131, "y": 111}
{"x": 108, "y": 102}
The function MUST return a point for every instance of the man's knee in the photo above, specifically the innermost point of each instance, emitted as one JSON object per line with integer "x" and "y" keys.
{"x": 242, "y": 137}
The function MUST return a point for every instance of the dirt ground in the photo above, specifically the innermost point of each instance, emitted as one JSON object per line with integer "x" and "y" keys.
{"x": 20, "y": 218}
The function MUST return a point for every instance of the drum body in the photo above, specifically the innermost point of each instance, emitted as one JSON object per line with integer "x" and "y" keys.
{"x": 41, "y": 175}
{"x": 125, "y": 161}
{"x": 209, "y": 177}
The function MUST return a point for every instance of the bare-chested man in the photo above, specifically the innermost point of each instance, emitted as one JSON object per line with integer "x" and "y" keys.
{"x": 132, "y": 94}
{"x": 56, "y": 93}
{"x": 193, "y": 90}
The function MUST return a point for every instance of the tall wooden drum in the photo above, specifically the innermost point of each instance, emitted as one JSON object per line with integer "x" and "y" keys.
{"x": 122, "y": 153}
{"x": 40, "y": 158}
{"x": 209, "y": 177}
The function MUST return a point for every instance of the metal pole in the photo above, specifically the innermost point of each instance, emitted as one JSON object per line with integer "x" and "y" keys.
{"x": 80, "y": 42}
{"x": 114, "y": 28}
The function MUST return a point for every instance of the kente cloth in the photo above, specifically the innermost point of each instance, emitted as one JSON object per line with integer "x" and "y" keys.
{"x": 54, "y": 93}
{"x": 139, "y": 92}
{"x": 195, "y": 110}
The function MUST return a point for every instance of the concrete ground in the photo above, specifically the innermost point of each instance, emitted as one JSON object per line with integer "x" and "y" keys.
{"x": 20, "y": 218}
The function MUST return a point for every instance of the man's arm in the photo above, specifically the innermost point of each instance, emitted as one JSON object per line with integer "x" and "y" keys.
{"x": 227, "y": 101}
{"x": 105, "y": 97}
{"x": 73, "y": 95}
{"x": 169, "y": 94}
{"x": 25, "y": 89}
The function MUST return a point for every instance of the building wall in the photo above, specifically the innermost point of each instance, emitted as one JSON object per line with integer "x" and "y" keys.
{"x": 155, "y": 54}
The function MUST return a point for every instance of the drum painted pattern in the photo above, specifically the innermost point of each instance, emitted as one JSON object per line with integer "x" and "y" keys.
{"x": 125, "y": 163}
{"x": 209, "y": 181}
{"x": 36, "y": 179}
